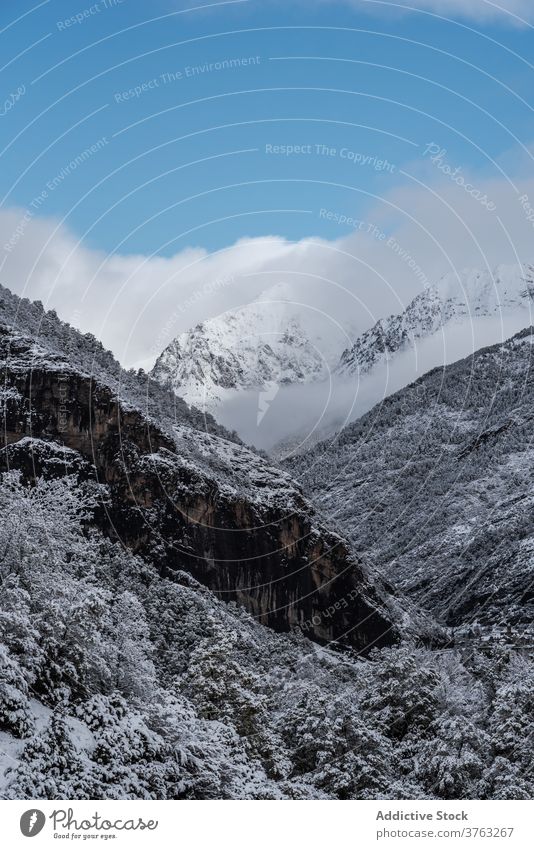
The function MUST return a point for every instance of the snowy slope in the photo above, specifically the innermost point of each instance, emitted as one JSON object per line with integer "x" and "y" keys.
{"x": 436, "y": 485}
{"x": 127, "y": 684}
{"x": 183, "y": 494}
{"x": 273, "y": 340}
{"x": 456, "y": 299}
{"x": 133, "y": 680}
{"x": 280, "y": 372}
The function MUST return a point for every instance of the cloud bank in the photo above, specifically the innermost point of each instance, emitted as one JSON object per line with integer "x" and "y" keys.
{"x": 137, "y": 304}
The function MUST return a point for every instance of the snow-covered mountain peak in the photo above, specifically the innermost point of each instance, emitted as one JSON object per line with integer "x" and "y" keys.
{"x": 457, "y": 298}
{"x": 271, "y": 369}
{"x": 270, "y": 340}
{"x": 483, "y": 291}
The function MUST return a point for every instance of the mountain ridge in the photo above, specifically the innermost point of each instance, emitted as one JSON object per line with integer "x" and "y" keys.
{"x": 133, "y": 679}
{"x": 466, "y": 295}
{"x": 181, "y": 496}
{"x": 251, "y": 347}
{"x": 448, "y": 460}
{"x": 279, "y": 372}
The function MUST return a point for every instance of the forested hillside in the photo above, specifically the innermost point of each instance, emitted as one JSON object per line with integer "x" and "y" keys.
{"x": 60, "y": 342}
{"x": 117, "y": 683}
{"x": 436, "y": 485}
{"x": 141, "y": 560}
{"x": 178, "y": 495}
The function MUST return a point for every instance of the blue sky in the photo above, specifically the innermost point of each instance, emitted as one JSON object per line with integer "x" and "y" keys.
{"x": 137, "y": 138}
{"x": 374, "y": 86}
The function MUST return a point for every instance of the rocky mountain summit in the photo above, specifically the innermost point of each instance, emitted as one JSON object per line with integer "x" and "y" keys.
{"x": 262, "y": 343}
{"x": 458, "y": 298}
{"x": 280, "y": 373}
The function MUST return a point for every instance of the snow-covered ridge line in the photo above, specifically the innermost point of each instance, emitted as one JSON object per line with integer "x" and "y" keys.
{"x": 59, "y": 344}
{"x": 447, "y": 461}
{"x": 456, "y": 298}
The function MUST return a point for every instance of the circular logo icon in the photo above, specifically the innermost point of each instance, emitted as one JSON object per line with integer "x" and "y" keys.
{"x": 32, "y": 822}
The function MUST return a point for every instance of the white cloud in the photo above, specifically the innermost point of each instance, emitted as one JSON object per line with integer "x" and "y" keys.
{"x": 136, "y": 304}
{"x": 307, "y": 412}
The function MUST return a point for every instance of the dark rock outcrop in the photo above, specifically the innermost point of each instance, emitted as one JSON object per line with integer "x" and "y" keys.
{"x": 188, "y": 500}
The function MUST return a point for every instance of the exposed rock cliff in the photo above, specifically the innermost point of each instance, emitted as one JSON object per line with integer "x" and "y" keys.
{"x": 187, "y": 499}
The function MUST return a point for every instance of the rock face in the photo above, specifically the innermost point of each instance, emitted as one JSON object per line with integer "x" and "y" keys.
{"x": 185, "y": 499}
